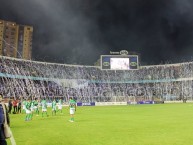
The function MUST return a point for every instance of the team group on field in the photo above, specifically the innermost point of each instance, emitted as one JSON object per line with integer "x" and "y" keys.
{"x": 35, "y": 106}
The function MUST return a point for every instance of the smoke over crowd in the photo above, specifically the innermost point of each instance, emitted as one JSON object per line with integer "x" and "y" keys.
{"x": 78, "y": 32}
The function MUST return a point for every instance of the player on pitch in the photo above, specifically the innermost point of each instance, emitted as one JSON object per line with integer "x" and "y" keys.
{"x": 72, "y": 106}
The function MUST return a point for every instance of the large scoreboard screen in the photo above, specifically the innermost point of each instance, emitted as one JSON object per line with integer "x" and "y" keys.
{"x": 119, "y": 62}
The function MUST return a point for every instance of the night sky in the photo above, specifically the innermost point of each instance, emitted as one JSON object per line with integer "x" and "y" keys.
{"x": 79, "y": 31}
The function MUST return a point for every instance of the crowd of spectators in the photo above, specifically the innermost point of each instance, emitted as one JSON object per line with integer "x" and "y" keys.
{"x": 24, "y": 78}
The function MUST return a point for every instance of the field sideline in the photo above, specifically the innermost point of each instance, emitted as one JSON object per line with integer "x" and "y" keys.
{"x": 163, "y": 124}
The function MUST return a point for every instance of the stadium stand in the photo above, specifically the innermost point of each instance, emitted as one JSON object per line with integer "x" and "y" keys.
{"x": 24, "y": 78}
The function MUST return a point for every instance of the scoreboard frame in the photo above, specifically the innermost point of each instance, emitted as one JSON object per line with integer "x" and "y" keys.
{"x": 106, "y": 62}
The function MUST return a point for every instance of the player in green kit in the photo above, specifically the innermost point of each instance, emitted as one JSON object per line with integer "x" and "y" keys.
{"x": 28, "y": 110}
{"x": 72, "y": 106}
{"x": 44, "y": 107}
{"x": 60, "y": 103}
{"x": 36, "y": 106}
{"x": 54, "y": 107}
{"x": 32, "y": 107}
{"x": 23, "y": 105}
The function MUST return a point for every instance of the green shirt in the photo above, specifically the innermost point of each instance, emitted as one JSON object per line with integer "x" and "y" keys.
{"x": 27, "y": 105}
{"x": 32, "y": 103}
{"x": 35, "y": 103}
{"x": 23, "y": 103}
{"x": 53, "y": 104}
{"x": 44, "y": 104}
{"x": 72, "y": 104}
{"x": 60, "y": 102}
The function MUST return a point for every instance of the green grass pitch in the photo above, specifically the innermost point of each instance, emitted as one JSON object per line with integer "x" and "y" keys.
{"x": 163, "y": 124}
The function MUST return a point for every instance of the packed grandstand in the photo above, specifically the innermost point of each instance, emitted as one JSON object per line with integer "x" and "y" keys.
{"x": 24, "y": 78}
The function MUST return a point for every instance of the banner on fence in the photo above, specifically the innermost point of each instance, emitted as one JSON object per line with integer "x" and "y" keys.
{"x": 86, "y": 104}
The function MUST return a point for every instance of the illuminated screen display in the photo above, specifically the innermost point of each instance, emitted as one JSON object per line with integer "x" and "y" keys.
{"x": 119, "y": 62}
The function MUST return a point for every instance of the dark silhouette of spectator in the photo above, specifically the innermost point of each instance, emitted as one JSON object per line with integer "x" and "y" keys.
{"x": 19, "y": 107}
{"x": 10, "y": 106}
{"x": 2, "y": 119}
{"x": 14, "y": 106}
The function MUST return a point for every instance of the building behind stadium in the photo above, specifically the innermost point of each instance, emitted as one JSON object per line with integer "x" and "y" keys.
{"x": 15, "y": 40}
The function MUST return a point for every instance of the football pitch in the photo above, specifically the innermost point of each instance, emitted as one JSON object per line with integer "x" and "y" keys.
{"x": 158, "y": 124}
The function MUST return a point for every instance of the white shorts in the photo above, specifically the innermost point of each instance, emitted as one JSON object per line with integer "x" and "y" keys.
{"x": 44, "y": 110}
{"x": 72, "y": 110}
{"x": 60, "y": 107}
{"x": 23, "y": 107}
{"x": 54, "y": 108}
{"x": 35, "y": 107}
{"x": 27, "y": 111}
{"x": 32, "y": 109}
